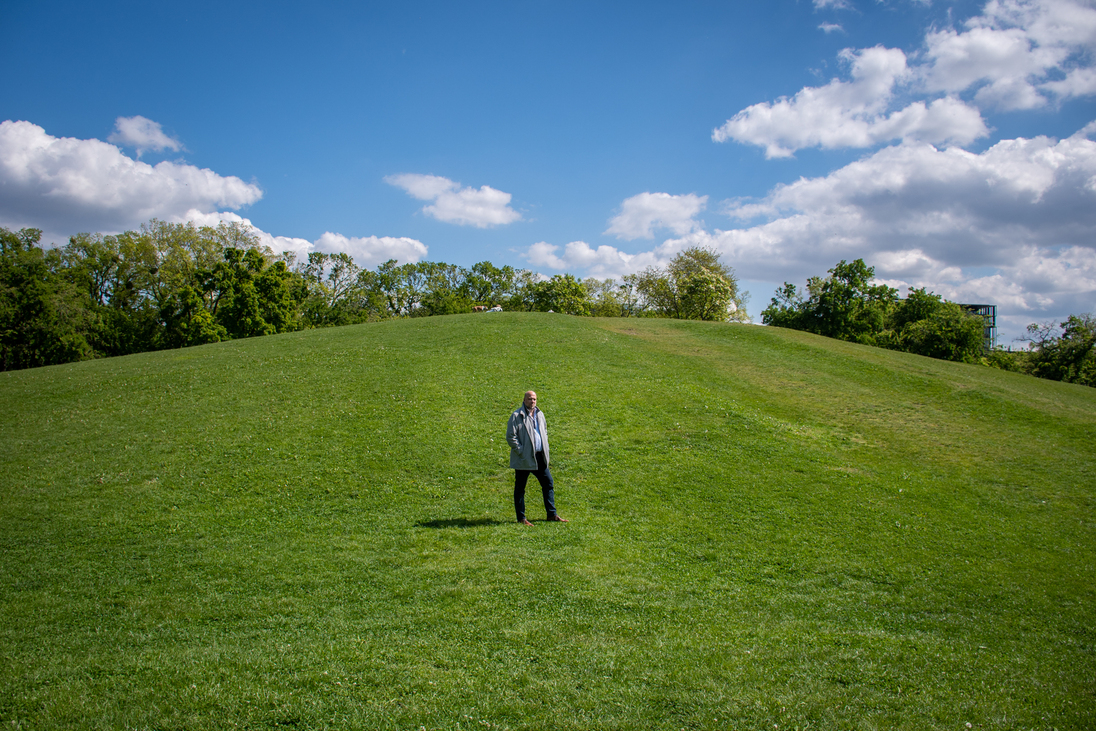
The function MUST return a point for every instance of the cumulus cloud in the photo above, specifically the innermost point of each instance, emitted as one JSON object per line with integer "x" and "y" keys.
{"x": 370, "y": 251}
{"x": 853, "y": 113}
{"x": 277, "y": 244}
{"x": 1017, "y": 54}
{"x": 65, "y": 185}
{"x": 1010, "y": 51}
{"x": 1014, "y": 226}
{"x": 828, "y": 28}
{"x": 142, "y": 134}
{"x": 602, "y": 262}
{"x": 367, "y": 251}
{"x": 642, "y": 214}
{"x": 483, "y": 207}
{"x": 965, "y": 208}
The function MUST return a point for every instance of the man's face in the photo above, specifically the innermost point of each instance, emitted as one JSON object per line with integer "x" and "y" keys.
{"x": 530, "y": 399}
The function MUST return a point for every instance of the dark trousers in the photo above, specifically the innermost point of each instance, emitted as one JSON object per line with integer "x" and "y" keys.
{"x": 544, "y": 476}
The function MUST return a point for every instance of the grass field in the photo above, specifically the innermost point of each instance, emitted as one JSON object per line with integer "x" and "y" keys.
{"x": 769, "y": 530}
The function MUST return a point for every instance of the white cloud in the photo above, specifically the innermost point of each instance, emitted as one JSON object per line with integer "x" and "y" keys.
{"x": 602, "y": 262}
{"x": 1013, "y": 226}
{"x": 828, "y": 28}
{"x": 65, "y": 185}
{"x": 367, "y": 251}
{"x": 1078, "y": 82}
{"x": 1010, "y": 51}
{"x": 1002, "y": 58}
{"x": 952, "y": 206}
{"x": 482, "y": 207}
{"x": 1017, "y": 54}
{"x": 835, "y": 4}
{"x": 277, "y": 244}
{"x": 142, "y": 134}
{"x": 641, "y": 214}
{"x": 853, "y": 113}
{"x": 370, "y": 251}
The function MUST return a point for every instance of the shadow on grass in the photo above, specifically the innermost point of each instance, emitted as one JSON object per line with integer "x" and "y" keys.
{"x": 459, "y": 523}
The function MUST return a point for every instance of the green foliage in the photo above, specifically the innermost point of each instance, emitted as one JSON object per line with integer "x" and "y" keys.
{"x": 523, "y": 296}
{"x": 925, "y": 324}
{"x": 1066, "y": 355}
{"x": 844, "y": 305}
{"x": 333, "y": 290}
{"x": 847, "y": 306}
{"x": 695, "y": 286}
{"x": 489, "y": 285}
{"x": 187, "y": 322}
{"x": 768, "y": 528}
{"x": 250, "y": 298}
{"x": 562, "y": 293}
{"x": 447, "y": 290}
{"x": 613, "y": 298}
{"x": 44, "y": 317}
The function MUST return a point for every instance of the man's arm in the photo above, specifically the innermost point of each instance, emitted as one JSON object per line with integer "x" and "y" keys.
{"x": 512, "y": 432}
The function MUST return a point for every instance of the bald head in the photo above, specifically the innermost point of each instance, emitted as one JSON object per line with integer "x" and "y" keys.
{"x": 530, "y": 400}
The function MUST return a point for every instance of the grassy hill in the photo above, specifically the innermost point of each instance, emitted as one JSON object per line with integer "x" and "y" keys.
{"x": 768, "y": 530}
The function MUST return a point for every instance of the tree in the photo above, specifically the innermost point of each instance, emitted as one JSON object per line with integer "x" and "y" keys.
{"x": 447, "y": 291}
{"x": 605, "y": 297}
{"x": 844, "y": 305}
{"x": 630, "y": 299}
{"x": 694, "y": 286}
{"x": 250, "y": 298}
{"x": 490, "y": 285}
{"x": 847, "y": 306}
{"x": 524, "y": 292}
{"x": 119, "y": 276}
{"x": 562, "y": 293}
{"x": 44, "y": 317}
{"x": 787, "y": 309}
{"x": 331, "y": 282}
{"x": 1068, "y": 355}
{"x": 925, "y": 324}
{"x": 187, "y": 321}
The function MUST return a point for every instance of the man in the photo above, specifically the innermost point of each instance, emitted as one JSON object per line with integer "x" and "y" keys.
{"x": 527, "y": 435}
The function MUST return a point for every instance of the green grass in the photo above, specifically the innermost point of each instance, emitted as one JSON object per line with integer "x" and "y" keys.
{"x": 768, "y": 530}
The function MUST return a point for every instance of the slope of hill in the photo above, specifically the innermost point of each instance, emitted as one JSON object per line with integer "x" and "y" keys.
{"x": 768, "y": 528}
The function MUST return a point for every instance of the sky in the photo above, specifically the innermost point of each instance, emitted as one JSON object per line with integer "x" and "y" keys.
{"x": 950, "y": 145}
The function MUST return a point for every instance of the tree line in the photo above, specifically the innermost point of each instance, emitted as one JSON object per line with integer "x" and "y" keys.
{"x": 846, "y": 305}
{"x": 171, "y": 285}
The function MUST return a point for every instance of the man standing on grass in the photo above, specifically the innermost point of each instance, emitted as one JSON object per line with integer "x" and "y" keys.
{"x": 527, "y": 435}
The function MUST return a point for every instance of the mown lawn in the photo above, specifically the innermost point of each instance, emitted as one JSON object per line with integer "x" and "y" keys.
{"x": 768, "y": 530}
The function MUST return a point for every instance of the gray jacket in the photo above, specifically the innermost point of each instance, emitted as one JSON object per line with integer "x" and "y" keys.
{"x": 519, "y": 435}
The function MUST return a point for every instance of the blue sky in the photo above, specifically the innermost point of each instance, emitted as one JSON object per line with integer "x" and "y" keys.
{"x": 949, "y": 145}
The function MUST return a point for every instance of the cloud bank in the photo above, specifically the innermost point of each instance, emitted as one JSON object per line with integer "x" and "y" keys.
{"x": 66, "y": 186}
{"x": 1018, "y": 54}
{"x": 853, "y": 113}
{"x": 367, "y": 251}
{"x": 62, "y": 184}
{"x": 483, "y": 207}
{"x": 1014, "y": 226}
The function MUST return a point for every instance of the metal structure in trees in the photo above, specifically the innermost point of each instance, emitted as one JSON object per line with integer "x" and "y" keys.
{"x": 988, "y": 314}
